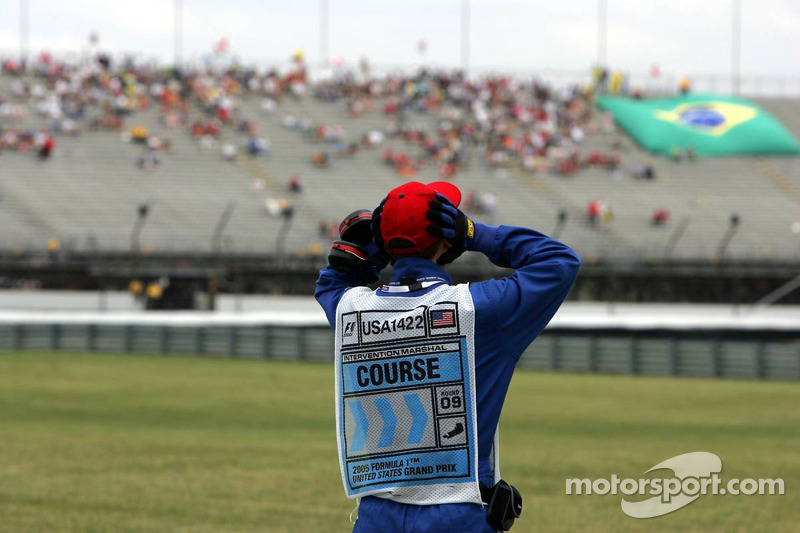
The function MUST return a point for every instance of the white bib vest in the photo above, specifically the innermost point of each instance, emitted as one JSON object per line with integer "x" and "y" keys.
{"x": 405, "y": 396}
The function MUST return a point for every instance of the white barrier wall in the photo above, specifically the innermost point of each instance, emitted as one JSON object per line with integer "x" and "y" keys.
{"x": 677, "y": 340}
{"x": 121, "y": 307}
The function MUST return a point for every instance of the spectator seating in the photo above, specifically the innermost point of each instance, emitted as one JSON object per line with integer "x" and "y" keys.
{"x": 88, "y": 193}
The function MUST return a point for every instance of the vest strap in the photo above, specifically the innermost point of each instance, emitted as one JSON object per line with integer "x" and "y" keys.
{"x": 417, "y": 285}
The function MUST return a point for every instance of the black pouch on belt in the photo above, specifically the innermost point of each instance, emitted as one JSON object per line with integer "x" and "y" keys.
{"x": 504, "y": 505}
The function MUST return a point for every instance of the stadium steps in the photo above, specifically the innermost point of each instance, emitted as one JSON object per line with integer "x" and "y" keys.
{"x": 777, "y": 178}
{"x": 189, "y": 191}
{"x": 91, "y": 188}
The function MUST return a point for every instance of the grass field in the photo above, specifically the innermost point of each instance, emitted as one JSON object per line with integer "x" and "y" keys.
{"x": 134, "y": 443}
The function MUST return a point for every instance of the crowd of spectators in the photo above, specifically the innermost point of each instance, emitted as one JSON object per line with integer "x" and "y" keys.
{"x": 493, "y": 123}
{"x": 38, "y": 142}
{"x": 72, "y": 97}
{"x": 507, "y": 122}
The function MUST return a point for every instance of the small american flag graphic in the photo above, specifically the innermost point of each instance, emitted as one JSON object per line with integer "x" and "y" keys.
{"x": 443, "y": 319}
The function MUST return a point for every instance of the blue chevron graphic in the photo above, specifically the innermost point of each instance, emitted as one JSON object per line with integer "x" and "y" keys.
{"x": 389, "y": 422}
{"x": 362, "y": 425}
{"x": 420, "y": 417}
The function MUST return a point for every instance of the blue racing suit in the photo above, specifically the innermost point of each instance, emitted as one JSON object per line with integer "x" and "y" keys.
{"x": 509, "y": 314}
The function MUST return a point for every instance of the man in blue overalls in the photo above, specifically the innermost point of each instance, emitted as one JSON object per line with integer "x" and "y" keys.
{"x": 423, "y": 366}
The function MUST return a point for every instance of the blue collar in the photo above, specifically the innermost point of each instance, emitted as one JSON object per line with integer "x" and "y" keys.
{"x": 419, "y": 269}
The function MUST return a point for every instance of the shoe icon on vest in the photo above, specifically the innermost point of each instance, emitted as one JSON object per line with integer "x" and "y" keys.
{"x": 458, "y": 430}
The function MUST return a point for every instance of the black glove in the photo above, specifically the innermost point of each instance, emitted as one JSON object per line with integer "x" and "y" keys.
{"x": 356, "y": 250}
{"x": 451, "y": 224}
{"x": 347, "y": 257}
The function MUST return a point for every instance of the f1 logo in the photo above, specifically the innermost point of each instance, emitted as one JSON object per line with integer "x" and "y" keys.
{"x": 349, "y": 325}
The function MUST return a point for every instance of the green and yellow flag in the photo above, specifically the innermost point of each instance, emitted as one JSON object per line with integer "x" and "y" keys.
{"x": 711, "y": 125}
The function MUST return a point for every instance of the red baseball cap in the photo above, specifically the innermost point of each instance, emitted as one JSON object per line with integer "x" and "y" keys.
{"x": 404, "y": 226}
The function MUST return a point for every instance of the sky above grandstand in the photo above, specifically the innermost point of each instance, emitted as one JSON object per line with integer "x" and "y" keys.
{"x": 680, "y": 36}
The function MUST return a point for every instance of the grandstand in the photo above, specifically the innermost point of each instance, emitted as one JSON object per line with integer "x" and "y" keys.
{"x": 88, "y": 193}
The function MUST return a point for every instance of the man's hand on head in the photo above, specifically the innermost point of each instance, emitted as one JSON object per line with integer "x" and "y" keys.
{"x": 451, "y": 224}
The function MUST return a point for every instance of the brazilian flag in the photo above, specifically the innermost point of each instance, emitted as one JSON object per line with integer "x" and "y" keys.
{"x": 712, "y": 125}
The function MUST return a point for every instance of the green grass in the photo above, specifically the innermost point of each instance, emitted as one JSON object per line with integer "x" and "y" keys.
{"x": 134, "y": 443}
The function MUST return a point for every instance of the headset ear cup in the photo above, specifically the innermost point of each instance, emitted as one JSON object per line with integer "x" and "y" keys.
{"x": 357, "y": 227}
{"x": 347, "y": 256}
